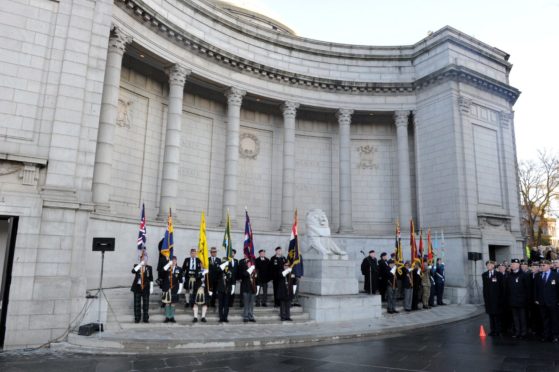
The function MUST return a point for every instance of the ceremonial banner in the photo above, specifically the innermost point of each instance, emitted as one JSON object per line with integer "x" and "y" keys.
{"x": 398, "y": 244}
{"x": 227, "y": 245}
{"x": 203, "y": 243}
{"x": 430, "y": 255}
{"x": 249, "y": 244}
{"x": 142, "y": 233}
{"x": 293, "y": 253}
{"x": 168, "y": 241}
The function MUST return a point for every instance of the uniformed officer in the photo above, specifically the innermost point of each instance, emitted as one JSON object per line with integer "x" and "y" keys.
{"x": 407, "y": 284}
{"x": 440, "y": 281}
{"x": 383, "y": 274}
{"x": 493, "y": 296}
{"x": 276, "y": 268}
{"x": 391, "y": 287}
{"x": 369, "y": 268}
{"x": 201, "y": 295}
{"x": 248, "y": 287}
{"x": 172, "y": 286}
{"x": 213, "y": 269}
{"x": 225, "y": 282}
{"x": 285, "y": 293}
{"x": 262, "y": 264}
{"x": 517, "y": 289}
{"x": 192, "y": 266}
{"x": 142, "y": 287}
{"x": 547, "y": 297}
{"x": 426, "y": 285}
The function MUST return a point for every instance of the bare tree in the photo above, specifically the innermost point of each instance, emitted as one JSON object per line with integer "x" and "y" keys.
{"x": 539, "y": 186}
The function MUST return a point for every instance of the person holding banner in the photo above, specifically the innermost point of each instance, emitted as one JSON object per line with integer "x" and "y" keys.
{"x": 262, "y": 264}
{"x": 285, "y": 292}
{"x": 248, "y": 287}
{"x": 192, "y": 266}
{"x": 225, "y": 285}
{"x": 391, "y": 287}
{"x": 172, "y": 286}
{"x": 142, "y": 287}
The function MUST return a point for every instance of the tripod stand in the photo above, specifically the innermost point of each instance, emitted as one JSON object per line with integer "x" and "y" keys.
{"x": 100, "y": 292}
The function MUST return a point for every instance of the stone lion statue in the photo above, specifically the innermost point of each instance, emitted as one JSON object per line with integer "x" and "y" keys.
{"x": 317, "y": 238}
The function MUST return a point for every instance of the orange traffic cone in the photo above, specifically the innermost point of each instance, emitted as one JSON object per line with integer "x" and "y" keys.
{"x": 482, "y": 331}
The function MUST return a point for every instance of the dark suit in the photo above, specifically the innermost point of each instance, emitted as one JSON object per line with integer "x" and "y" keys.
{"x": 224, "y": 282}
{"x": 384, "y": 271}
{"x": 285, "y": 294}
{"x": 191, "y": 272}
{"x": 276, "y": 268}
{"x": 263, "y": 270}
{"x": 517, "y": 291}
{"x": 547, "y": 295}
{"x": 234, "y": 267}
{"x": 494, "y": 297}
{"x": 213, "y": 273}
{"x": 369, "y": 268}
{"x": 141, "y": 287}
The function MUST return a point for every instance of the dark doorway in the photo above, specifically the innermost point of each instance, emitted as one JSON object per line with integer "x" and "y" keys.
{"x": 499, "y": 253}
{"x": 8, "y": 232}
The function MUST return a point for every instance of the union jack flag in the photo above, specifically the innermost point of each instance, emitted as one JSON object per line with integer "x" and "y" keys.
{"x": 249, "y": 243}
{"x": 142, "y": 232}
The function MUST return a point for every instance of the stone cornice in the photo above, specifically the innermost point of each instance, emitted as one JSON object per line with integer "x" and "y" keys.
{"x": 188, "y": 41}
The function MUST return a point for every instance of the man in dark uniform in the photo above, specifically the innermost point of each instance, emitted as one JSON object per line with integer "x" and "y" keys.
{"x": 285, "y": 292}
{"x": 493, "y": 296}
{"x": 383, "y": 275}
{"x": 391, "y": 288}
{"x": 248, "y": 288}
{"x": 213, "y": 269}
{"x": 262, "y": 264}
{"x": 201, "y": 296}
{"x": 235, "y": 275}
{"x": 225, "y": 282}
{"x": 439, "y": 281}
{"x": 369, "y": 268}
{"x": 433, "y": 289}
{"x": 142, "y": 287}
{"x": 517, "y": 289}
{"x": 416, "y": 274}
{"x": 547, "y": 297}
{"x": 536, "y": 325}
{"x": 192, "y": 266}
{"x": 172, "y": 286}
{"x": 276, "y": 268}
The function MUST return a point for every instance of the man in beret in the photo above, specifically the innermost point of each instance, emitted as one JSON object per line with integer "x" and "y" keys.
{"x": 369, "y": 268}
{"x": 517, "y": 291}
{"x": 547, "y": 297}
{"x": 262, "y": 264}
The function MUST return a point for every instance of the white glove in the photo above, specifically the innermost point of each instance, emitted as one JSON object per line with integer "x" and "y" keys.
{"x": 223, "y": 266}
{"x": 142, "y": 263}
{"x": 393, "y": 270}
{"x": 166, "y": 267}
{"x": 204, "y": 272}
{"x": 180, "y": 288}
{"x": 418, "y": 272}
{"x": 429, "y": 267}
{"x": 257, "y": 290}
{"x": 150, "y": 287}
{"x": 250, "y": 270}
{"x": 295, "y": 288}
{"x": 286, "y": 271}
{"x": 233, "y": 289}
{"x": 137, "y": 267}
{"x": 210, "y": 293}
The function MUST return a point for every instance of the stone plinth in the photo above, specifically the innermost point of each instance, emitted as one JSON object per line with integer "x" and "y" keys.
{"x": 329, "y": 277}
{"x": 342, "y": 307}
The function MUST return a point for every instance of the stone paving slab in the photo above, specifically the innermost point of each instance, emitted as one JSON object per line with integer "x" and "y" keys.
{"x": 178, "y": 338}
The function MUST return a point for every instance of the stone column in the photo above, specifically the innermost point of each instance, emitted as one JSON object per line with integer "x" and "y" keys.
{"x": 234, "y": 100}
{"x": 289, "y": 110}
{"x": 101, "y": 187}
{"x": 404, "y": 181}
{"x": 171, "y": 155}
{"x": 344, "y": 121}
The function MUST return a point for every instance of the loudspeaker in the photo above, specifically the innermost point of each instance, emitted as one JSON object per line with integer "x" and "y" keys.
{"x": 103, "y": 244}
{"x": 474, "y": 256}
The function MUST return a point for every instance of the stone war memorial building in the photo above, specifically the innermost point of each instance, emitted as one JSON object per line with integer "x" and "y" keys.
{"x": 199, "y": 105}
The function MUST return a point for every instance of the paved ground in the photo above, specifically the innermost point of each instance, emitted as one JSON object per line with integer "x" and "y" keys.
{"x": 451, "y": 347}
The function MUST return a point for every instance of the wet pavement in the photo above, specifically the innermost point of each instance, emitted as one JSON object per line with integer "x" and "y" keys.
{"x": 451, "y": 347}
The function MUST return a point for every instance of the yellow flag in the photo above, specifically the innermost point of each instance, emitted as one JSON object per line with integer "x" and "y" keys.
{"x": 203, "y": 244}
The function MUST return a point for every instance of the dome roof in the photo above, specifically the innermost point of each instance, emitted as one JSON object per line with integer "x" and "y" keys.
{"x": 253, "y": 17}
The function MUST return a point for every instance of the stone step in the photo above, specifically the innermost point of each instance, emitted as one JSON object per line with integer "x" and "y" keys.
{"x": 211, "y": 318}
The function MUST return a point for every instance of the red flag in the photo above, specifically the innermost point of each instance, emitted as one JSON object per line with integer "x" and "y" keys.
{"x": 429, "y": 247}
{"x": 413, "y": 246}
{"x": 421, "y": 247}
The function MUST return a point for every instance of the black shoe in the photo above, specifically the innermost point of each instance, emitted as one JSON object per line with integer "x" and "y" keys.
{"x": 390, "y": 311}
{"x": 226, "y": 321}
{"x": 252, "y": 320}
{"x": 146, "y": 321}
{"x": 395, "y": 312}
{"x": 172, "y": 320}
{"x": 195, "y": 320}
{"x": 245, "y": 320}
{"x": 136, "y": 320}
{"x": 167, "y": 320}
{"x": 257, "y": 304}
{"x": 297, "y": 305}
{"x": 264, "y": 305}
{"x": 186, "y": 304}
{"x": 289, "y": 319}
{"x": 283, "y": 319}
{"x": 441, "y": 304}
{"x": 203, "y": 320}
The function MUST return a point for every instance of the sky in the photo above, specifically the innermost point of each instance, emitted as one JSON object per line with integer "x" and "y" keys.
{"x": 528, "y": 30}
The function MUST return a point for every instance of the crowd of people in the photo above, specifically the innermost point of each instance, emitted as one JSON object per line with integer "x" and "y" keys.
{"x": 417, "y": 282}
{"x": 522, "y": 298}
{"x": 217, "y": 284}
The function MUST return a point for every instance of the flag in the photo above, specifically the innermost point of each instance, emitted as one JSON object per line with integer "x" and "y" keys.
{"x": 249, "y": 244}
{"x": 528, "y": 252}
{"x": 430, "y": 256}
{"x": 168, "y": 242}
{"x": 398, "y": 244}
{"x": 142, "y": 233}
{"x": 227, "y": 244}
{"x": 203, "y": 243}
{"x": 413, "y": 247}
{"x": 293, "y": 253}
{"x": 421, "y": 247}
